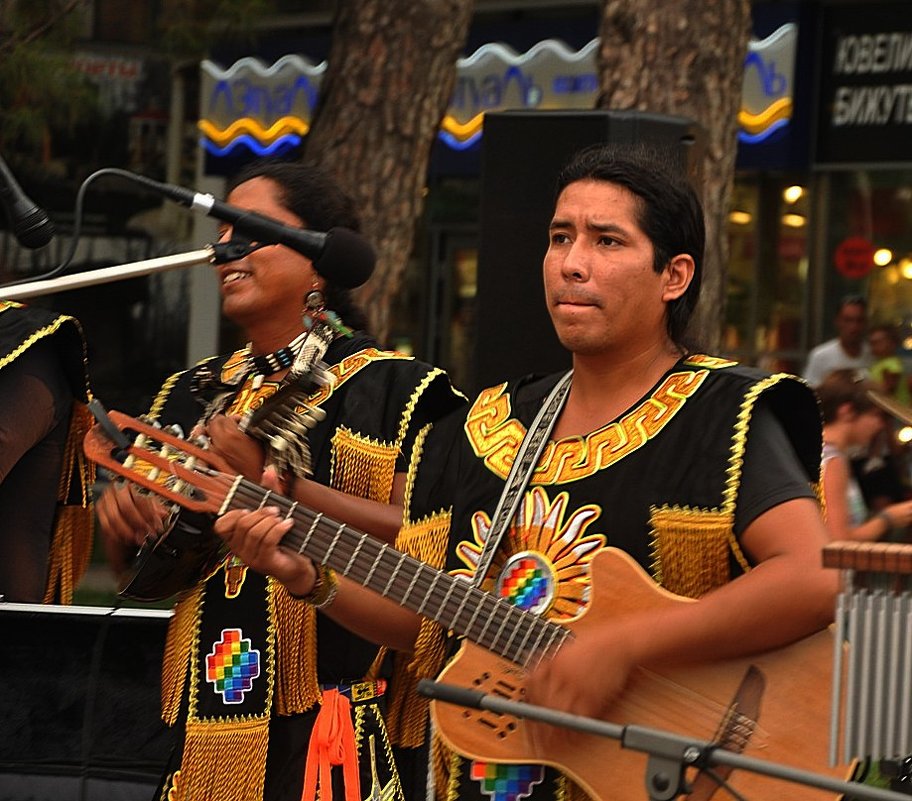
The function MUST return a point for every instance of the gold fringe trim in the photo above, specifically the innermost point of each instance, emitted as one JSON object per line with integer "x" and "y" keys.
{"x": 178, "y": 647}
{"x": 362, "y": 466}
{"x": 446, "y": 770}
{"x": 71, "y": 545}
{"x": 295, "y": 621}
{"x": 690, "y": 549}
{"x": 224, "y": 761}
{"x": 408, "y": 711}
{"x": 412, "y": 473}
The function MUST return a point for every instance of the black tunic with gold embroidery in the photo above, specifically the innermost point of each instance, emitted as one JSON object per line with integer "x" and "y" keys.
{"x": 673, "y": 482}
{"x": 45, "y": 514}
{"x": 245, "y": 661}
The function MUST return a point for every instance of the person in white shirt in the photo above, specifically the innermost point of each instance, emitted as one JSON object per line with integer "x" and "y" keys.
{"x": 848, "y": 350}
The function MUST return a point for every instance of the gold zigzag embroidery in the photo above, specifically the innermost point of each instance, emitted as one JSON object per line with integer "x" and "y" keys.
{"x": 495, "y": 436}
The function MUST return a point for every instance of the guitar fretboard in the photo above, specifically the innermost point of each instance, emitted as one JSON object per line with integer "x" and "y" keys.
{"x": 483, "y": 618}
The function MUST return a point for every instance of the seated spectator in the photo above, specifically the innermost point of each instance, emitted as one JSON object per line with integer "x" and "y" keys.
{"x": 851, "y": 420}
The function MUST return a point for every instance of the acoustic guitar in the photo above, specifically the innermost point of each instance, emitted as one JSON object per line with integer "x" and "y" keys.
{"x": 772, "y": 707}
{"x": 175, "y": 560}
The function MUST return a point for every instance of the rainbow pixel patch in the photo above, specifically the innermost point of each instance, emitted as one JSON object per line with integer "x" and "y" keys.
{"x": 527, "y": 581}
{"x": 506, "y": 782}
{"x": 232, "y": 665}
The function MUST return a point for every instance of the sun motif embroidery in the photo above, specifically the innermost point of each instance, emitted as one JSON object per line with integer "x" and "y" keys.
{"x": 544, "y": 563}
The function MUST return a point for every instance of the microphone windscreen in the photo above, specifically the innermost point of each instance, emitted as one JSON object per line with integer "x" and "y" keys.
{"x": 347, "y": 259}
{"x": 33, "y": 229}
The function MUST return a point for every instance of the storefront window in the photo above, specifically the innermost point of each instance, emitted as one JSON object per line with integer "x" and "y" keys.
{"x": 869, "y": 246}
{"x": 767, "y": 271}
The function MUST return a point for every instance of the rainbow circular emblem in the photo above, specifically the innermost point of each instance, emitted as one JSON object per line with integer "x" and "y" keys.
{"x": 232, "y": 665}
{"x": 527, "y": 581}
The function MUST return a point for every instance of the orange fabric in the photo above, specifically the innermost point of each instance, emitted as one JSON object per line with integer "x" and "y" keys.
{"x": 332, "y": 742}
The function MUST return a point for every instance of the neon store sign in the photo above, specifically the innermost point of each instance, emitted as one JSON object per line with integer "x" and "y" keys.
{"x": 268, "y": 108}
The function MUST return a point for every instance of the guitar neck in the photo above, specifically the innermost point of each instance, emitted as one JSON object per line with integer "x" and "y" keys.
{"x": 491, "y": 622}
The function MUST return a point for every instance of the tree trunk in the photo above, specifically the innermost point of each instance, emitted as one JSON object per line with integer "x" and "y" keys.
{"x": 391, "y": 71}
{"x": 686, "y": 59}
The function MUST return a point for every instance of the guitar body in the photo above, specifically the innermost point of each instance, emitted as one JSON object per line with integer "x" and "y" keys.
{"x": 791, "y": 706}
{"x": 173, "y": 562}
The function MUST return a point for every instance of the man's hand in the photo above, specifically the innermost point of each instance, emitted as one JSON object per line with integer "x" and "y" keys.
{"x": 254, "y": 538}
{"x": 240, "y": 452}
{"x": 126, "y": 518}
{"x": 585, "y": 677}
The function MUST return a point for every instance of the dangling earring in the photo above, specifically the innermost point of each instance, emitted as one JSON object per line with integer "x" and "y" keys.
{"x": 315, "y": 311}
{"x": 314, "y": 302}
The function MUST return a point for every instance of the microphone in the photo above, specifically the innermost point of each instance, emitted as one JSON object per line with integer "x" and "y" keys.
{"x": 342, "y": 256}
{"x": 30, "y": 224}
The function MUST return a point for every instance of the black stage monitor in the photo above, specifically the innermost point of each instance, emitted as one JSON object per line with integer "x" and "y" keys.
{"x": 79, "y": 701}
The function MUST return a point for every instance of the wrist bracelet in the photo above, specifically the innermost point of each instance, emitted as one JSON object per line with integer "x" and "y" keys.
{"x": 324, "y": 589}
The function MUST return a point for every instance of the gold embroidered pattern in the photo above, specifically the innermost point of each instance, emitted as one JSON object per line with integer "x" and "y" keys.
{"x": 495, "y": 436}
{"x": 556, "y": 535}
{"x": 709, "y": 362}
{"x": 351, "y": 366}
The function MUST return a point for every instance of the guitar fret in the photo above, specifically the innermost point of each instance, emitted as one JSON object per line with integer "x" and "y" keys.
{"x": 542, "y": 628}
{"x": 555, "y": 633}
{"x": 411, "y": 585}
{"x": 353, "y": 556}
{"x": 484, "y": 629}
{"x": 522, "y": 646}
{"x": 392, "y": 577}
{"x": 265, "y": 498}
{"x": 445, "y": 601}
{"x": 427, "y": 595}
{"x": 291, "y": 510}
{"x": 377, "y": 560}
{"x": 230, "y": 495}
{"x": 335, "y": 541}
{"x": 500, "y": 629}
{"x": 462, "y": 603}
{"x": 313, "y": 527}
{"x": 516, "y": 626}
{"x": 475, "y": 614}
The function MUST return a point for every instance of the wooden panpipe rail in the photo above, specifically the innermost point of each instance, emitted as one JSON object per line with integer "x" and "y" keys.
{"x": 872, "y": 661}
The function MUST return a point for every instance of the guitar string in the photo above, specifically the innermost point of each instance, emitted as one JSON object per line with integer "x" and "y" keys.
{"x": 675, "y": 703}
{"x": 423, "y": 583}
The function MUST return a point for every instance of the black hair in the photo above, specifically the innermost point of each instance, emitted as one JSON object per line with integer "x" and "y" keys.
{"x": 668, "y": 210}
{"x": 308, "y": 192}
{"x": 852, "y": 300}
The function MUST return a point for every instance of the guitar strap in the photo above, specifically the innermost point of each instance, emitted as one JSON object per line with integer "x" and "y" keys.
{"x": 530, "y": 450}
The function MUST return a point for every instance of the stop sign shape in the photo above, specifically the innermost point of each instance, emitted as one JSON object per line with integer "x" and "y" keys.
{"x": 854, "y": 257}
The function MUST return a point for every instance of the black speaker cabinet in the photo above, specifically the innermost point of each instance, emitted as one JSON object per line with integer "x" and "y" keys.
{"x": 79, "y": 703}
{"x": 522, "y": 154}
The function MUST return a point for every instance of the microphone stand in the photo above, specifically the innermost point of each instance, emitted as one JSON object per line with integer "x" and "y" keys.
{"x": 669, "y": 754}
{"x": 206, "y": 255}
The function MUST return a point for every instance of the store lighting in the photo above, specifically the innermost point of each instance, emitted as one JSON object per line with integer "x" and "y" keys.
{"x": 905, "y": 267}
{"x": 740, "y": 217}
{"x": 904, "y": 434}
{"x": 883, "y": 256}
{"x": 792, "y": 194}
{"x": 793, "y": 220}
